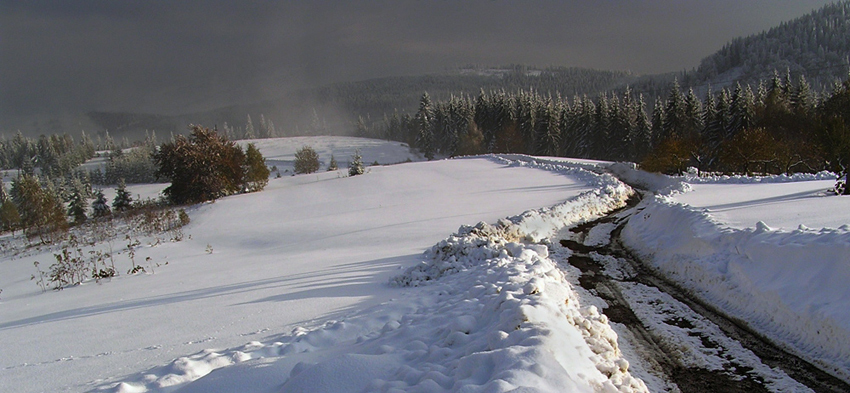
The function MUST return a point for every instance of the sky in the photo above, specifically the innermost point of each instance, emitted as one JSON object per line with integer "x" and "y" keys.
{"x": 173, "y": 57}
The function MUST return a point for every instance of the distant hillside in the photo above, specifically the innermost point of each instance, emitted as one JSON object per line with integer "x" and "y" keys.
{"x": 334, "y": 109}
{"x": 816, "y": 46}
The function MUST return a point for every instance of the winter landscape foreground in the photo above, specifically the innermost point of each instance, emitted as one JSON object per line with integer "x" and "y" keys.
{"x": 320, "y": 284}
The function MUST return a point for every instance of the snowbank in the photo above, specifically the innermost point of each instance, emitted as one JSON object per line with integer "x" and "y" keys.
{"x": 788, "y": 286}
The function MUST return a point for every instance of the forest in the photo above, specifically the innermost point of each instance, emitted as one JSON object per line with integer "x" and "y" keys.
{"x": 780, "y": 126}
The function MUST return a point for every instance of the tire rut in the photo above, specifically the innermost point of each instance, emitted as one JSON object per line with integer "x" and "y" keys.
{"x": 670, "y": 361}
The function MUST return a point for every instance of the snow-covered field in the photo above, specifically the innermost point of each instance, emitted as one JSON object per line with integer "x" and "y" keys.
{"x": 772, "y": 252}
{"x": 307, "y": 250}
{"x": 320, "y": 284}
{"x": 280, "y": 152}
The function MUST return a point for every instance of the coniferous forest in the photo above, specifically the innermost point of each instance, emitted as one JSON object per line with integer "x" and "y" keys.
{"x": 781, "y": 126}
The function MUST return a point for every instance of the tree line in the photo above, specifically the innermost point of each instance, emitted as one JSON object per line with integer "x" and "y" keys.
{"x": 205, "y": 166}
{"x": 777, "y": 127}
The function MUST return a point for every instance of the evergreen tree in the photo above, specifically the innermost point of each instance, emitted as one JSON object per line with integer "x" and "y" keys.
{"x": 602, "y": 121}
{"x": 425, "y": 130}
{"x": 356, "y": 166}
{"x": 658, "y": 119}
{"x": 642, "y": 136}
{"x": 546, "y": 130}
{"x": 264, "y": 127}
{"x": 78, "y": 206}
{"x": 676, "y": 116}
{"x": 250, "y": 133}
{"x": 273, "y": 133}
{"x": 10, "y": 219}
{"x": 256, "y": 171}
{"x": 28, "y": 196}
{"x": 123, "y": 200}
{"x": 54, "y": 213}
{"x": 332, "y": 166}
{"x": 693, "y": 115}
{"x": 100, "y": 207}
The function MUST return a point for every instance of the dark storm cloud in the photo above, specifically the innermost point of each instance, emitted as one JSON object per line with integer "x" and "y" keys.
{"x": 171, "y": 57}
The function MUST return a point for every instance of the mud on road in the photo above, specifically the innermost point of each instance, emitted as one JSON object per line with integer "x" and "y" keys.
{"x": 683, "y": 345}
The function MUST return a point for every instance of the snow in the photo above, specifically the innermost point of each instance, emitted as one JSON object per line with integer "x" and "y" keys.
{"x": 280, "y": 152}
{"x": 296, "y": 274}
{"x": 320, "y": 283}
{"x": 771, "y": 252}
{"x": 779, "y": 205}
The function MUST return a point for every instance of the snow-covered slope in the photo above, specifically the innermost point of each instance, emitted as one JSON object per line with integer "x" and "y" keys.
{"x": 490, "y": 315}
{"x": 789, "y": 284}
{"x": 280, "y": 152}
{"x": 307, "y": 250}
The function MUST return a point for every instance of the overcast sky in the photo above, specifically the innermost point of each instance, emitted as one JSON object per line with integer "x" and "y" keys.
{"x": 178, "y": 56}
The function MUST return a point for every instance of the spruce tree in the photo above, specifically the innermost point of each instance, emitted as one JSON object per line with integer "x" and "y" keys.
{"x": 332, "y": 166}
{"x": 250, "y": 133}
{"x": 425, "y": 130}
{"x": 356, "y": 166}
{"x": 10, "y": 219}
{"x": 78, "y": 206}
{"x": 123, "y": 200}
{"x": 100, "y": 207}
{"x": 256, "y": 171}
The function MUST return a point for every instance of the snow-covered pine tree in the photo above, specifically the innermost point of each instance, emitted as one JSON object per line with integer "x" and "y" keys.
{"x": 123, "y": 200}
{"x": 425, "y": 130}
{"x": 356, "y": 166}
{"x": 100, "y": 207}
{"x": 250, "y": 133}
{"x": 78, "y": 206}
{"x": 264, "y": 127}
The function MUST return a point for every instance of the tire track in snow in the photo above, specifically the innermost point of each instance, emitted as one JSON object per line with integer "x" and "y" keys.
{"x": 688, "y": 345}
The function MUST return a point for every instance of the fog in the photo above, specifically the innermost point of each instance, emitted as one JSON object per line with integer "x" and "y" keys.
{"x": 66, "y": 57}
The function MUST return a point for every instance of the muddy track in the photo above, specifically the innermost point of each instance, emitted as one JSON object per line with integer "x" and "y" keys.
{"x": 661, "y": 351}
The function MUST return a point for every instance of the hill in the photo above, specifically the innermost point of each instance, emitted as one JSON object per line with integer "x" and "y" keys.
{"x": 814, "y": 46}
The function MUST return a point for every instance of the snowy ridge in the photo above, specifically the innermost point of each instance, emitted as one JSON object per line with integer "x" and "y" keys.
{"x": 607, "y": 193}
{"x": 790, "y": 286}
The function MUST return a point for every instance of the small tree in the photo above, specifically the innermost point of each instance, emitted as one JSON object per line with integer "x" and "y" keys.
{"x": 256, "y": 172}
{"x": 332, "y": 166}
{"x": 306, "y": 160}
{"x": 78, "y": 206}
{"x": 356, "y": 166}
{"x": 10, "y": 219}
{"x": 41, "y": 210}
{"x": 100, "y": 207}
{"x": 123, "y": 200}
